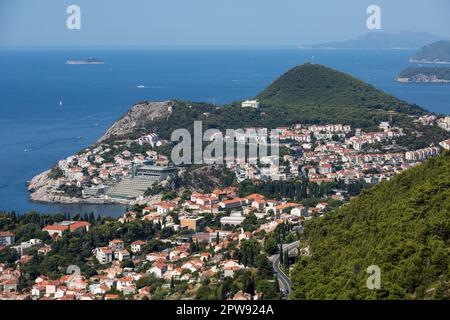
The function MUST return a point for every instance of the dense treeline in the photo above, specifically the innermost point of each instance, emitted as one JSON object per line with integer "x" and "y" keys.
{"x": 402, "y": 226}
{"x": 297, "y": 190}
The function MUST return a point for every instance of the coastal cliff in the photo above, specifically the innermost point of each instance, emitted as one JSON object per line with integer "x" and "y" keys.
{"x": 41, "y": 190}
{"x": 136, "y": 117}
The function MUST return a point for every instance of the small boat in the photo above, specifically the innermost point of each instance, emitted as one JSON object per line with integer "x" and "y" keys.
{"x": 141, "y": 86}
{"x": 26, "y": 150}
{"x": 60, "y": 103}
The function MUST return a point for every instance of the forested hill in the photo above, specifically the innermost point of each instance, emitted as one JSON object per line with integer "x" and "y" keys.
{"x": 403, "y": 226}
{"x": 310, "y": 93}
{"x": 316, "y": 91}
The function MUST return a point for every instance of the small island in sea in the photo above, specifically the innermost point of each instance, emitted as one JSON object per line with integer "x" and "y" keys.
{"x": 425, "y": 75}
{"x": 436, "y": 52}
{"x": 89, "y": 60}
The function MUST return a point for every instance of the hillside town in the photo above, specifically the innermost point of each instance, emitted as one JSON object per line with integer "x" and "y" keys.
{"x": 122, "y": 171}
{"x": 196, "y": 250}
{"x": 203, "y": 237}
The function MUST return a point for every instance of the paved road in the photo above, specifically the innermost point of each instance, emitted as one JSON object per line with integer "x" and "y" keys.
{"x": 283, "y": 279}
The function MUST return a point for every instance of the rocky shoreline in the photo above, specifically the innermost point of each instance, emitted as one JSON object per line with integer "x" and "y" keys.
{"x": 41, "y": 187}
{"x": 41, "y": 191}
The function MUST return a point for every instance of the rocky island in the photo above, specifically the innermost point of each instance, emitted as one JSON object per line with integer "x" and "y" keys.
{"x": 424, "y": 75}
{"x": 435, "y": 53}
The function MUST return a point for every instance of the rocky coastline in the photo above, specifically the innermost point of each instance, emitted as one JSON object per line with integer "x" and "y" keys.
{"x": 41, "y": 191}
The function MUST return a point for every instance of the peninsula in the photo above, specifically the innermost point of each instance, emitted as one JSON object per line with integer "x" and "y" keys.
{"x": 311, "y": 106}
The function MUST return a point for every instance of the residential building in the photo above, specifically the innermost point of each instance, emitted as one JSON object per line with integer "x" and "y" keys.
{"x": 103, "y": 255}
{"x": 7, "y": 238}
{"x": 137, "y": 246}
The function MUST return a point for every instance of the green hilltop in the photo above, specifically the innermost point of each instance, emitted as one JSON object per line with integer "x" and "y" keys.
{"x": 402, "y": 225}
{"x": 321, "y": 94}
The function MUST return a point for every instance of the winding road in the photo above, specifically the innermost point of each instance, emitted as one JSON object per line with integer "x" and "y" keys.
{"x": 283, "y": 279}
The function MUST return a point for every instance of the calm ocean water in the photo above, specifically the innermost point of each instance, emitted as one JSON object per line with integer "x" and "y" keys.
{"x": 32, "y": 82}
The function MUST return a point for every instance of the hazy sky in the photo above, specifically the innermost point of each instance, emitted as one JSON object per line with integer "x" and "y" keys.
{"x": 210, "y": 22}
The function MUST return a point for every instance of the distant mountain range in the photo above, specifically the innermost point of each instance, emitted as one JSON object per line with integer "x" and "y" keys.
{"x": 381, "y": 40}
{"x": 436, "y": 52}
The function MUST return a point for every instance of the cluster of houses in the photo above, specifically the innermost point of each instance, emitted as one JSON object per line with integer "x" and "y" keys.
{"x": 330, "y": 153}
{"x": 431, "y": 120}
{"x": 9, "y": 282}
{"x": 116, "y": 251}
{"x": 96, "y": 168}
{"x": 177, "y": 262}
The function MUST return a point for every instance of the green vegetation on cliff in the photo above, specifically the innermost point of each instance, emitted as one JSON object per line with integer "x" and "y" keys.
{"x": 311, "y": 85}
{"x": 402, "y": 226}
{"x": 317, "y": 94}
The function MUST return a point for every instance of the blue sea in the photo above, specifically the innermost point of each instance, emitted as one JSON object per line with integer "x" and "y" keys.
{"x": 34, "y": 81}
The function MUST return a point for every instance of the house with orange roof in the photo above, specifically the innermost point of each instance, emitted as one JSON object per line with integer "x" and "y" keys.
{"x": 233, "y": 203}
{"x": 229, "y": 271}
{"x": 207, "y": 274}
{"x": 253, "y": 197}
{"x": 116, "y": 244}
{"x": 148, "y": 209}
{"x": 158, "y": 269}
{"x": 51, "y": 287}
{"x": 110, "y": 296}
{"x": 7, "y": 238}
{"x": 122, "y": 255}
{"x": 57, "y": 229}
{"x": 242, "y": 296}
{"x": 299, "y": 211}
{"x": 103, "y": 254}
{"x": 258, "y": 204}
{"x": 137, "y": 246}
{"x": 165, "y": 207}
{"x": 285, "y": 207}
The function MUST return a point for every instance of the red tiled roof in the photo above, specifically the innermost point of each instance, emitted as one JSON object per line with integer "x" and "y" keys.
{"x": 139, "y": 242}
